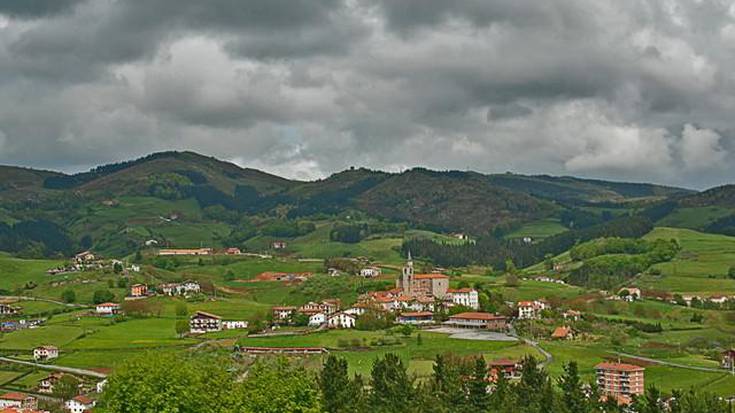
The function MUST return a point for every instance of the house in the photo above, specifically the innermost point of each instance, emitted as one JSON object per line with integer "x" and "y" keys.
{"x": 370, "y": 272}
{"x": 8, "y": 310}
{"x": 620, "y": 380}
{"x": 563, "y": 333}
{"x": 728, "y": 359}
{"x": 80, "y": 404}
{"x": 572, "y": 315}
{"x": 282, "y": 350}
{"x": 100, "y": 386}
{"x": 630, "y": 294}
{"x": 508, "y": 368}
{"x": 431, "y": 285}
{"x": 279, "y": 245}
{"x": 185, "y": 289}
{"x": 135, "y": 268}
{"x": 84, "y": 257}
{"x": 283, "y": 313}
{"x": 151, "y": 242}
{"x": 719, "y": 299}
{"x": 315, "y": 320}
{"x": 529, "y": 310}
{"x": 415, "y": 318}
{"x": 341, "y": 320}
{"x": 467, "y": 297}
{"x": 43, "y": 353}
{"x": 234, "y": 325}
{"x": 357, "y": 310}
{"x": 18, "y": 401}
{"x": 186, "y": 251}
{"x": 333, "y": 272}
{"x": 46, "y": 384}
{"x": 201, "y": 322}
{"x": 233, "y": 251}
{"x": 138, "y": 290}
{"x": 487, "y": 321}
{"x": 107, "y": 309}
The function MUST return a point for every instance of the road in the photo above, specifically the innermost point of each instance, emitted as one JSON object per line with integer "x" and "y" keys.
{"x": 549, "y": 358}
{"x": 671, "y": 364}
{"x": 71, "y": 370}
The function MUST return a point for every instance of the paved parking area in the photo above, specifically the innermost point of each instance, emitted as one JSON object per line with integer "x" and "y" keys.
{"x": 469, "y": 334}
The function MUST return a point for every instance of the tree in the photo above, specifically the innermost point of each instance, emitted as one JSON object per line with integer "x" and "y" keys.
{"x": 182, "y": 327}
{"x": 69, "y": 296}
{"x": 573, "y": 396}
{"x": 117, "y": 267}
{"x": 102, "y": 296}
{"x": 392, "y": 390}
{"x": 279, "y": 387}
{"x": 478, "y": 398}
{"x": 67, "y": 387}
{"x": 650, "y": 402}
{"x": 731, "y": 272}
{"x": 181, "y": 309}
{"x": 337, "y": 391}
{"x": 511, "y": 280}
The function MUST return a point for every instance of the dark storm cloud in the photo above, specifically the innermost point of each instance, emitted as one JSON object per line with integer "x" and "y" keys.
{"x": 640, "y": 90}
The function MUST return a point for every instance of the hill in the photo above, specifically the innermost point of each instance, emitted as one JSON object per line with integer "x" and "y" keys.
{"x": 184, "y": 198}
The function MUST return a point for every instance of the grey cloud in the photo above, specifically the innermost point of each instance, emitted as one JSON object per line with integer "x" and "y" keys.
{"x": 36, "y": 8}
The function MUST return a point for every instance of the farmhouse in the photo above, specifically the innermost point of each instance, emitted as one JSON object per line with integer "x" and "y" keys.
{"x": 508, "y": 368}
{"x": 107, "y": 309}
{"x": 18, "y": 401}
{"x": 341, "y": 320}
{"x": 370, "y": 272}
{"x": 563, "y": 333}
{"x": 283, "y": 313}
{"x": 46, "y": 385}
{"x": 728, "y": 359}
{"x": 418, "y": 317}
{"x": 279, "y": 245}
{"x": 233, "y": 251}
{"x": 84, "y": 257}
{"x": 282, "y": 350}
{"x": 138, "y": 290}
{"x": 43, "y": 353}
{"x": 466, "y": 297}
{"x": 620, "y": 380}
{"x": 202, "y": 322}
{"x": 234, "y": 325}
{"x": 630, "y": 294}
{"x": 189, "y": 251}
{"x": 478, "y": 320}
{"x": 8, "y": 310}
{"x": 529, "y": 310}
{"x": 184, "y": 289}
{"x": 328, "y": 307}
{"x": 572, "y": 315}
{"x": 80, "y": 404}
{"x": 317, "y": 319}
{"x": 283, "y": 276}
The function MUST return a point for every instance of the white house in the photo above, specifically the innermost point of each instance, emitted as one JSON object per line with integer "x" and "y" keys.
{"x": 185, "y": 288}
{"x": 370, "y": 272}
{"x": 18, "y": 401}
{"x": 341, "y": 320}
{"x": 356, "y": 311}
{"x": 202, "y": 322}
{"x": 234, "y": 325}
{"x": 107, "y": 308}
{"x": 7, "y": 309}
{"x": 528, "y": 310}
{"x": 80, "y": 404}
{"x": 100, "y": 387}
{"x": 633, "y": 293}
{"x": 317, "y": 319}
{"x": 467, "y": 297}
{"x": 42, "y": 353}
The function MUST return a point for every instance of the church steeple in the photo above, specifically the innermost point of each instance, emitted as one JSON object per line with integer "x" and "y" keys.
{"x": 406, "y": 280}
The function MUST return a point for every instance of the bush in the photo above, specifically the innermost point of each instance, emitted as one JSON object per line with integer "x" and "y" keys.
{"x": 68, "y": 296}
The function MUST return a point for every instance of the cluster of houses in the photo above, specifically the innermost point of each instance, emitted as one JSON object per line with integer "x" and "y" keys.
{"x": 16, "y": 402}
{"x": 176, "y": 252}
{"x": 546, "y": 279}
{"x": 14, "y": 325}
{"x": 287, "y": 277}
{"x": 88, "y": 261}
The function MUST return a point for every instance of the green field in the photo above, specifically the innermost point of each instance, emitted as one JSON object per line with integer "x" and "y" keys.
{"x": 538, "y": 229}
{"x": 694, "y": 218}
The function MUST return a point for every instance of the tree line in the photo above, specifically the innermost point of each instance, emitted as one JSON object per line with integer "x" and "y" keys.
{"x": 197, "y": 383}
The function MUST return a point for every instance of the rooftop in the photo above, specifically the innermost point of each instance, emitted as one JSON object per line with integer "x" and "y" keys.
{"x": 618, "y": 367}
{"x": 477, "y": 316}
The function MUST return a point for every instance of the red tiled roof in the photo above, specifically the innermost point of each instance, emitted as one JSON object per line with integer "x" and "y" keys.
{"x": 429, "y": 276}
{"x": 561, "y": 332}
{"x": 205, "y": 314}
{"x": 502, "y": 363}
{"x": 618, "y": 367}
{"x": 83, "y": 399}
{"x": 14, "y": 396}
{"x": 418, "y": 314}
{"x": 108, "y": 305}
{"x": 477, "y": 316}
{"x": 282, "y": 308}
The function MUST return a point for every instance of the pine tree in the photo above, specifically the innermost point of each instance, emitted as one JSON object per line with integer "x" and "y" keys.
{"x": 335, "y": 385}
{"x": 478, "y": 398}
{"x": 392, "y": 390}
{"x": 571, "y": 386}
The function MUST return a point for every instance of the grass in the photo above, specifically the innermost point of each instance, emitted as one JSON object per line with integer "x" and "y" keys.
{"x": 58, "y": 335}
{"x": 538, "y": 229}
{"x": 694, "y": 218}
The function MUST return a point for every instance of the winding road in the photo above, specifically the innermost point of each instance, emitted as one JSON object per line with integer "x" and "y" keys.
{"x": 670, "y": 364}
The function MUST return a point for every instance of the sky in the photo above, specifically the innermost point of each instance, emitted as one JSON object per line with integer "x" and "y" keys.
{"x": 627, "y": 90}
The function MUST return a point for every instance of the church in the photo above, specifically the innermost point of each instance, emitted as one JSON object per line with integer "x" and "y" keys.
{"x": 422, "y": 285}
